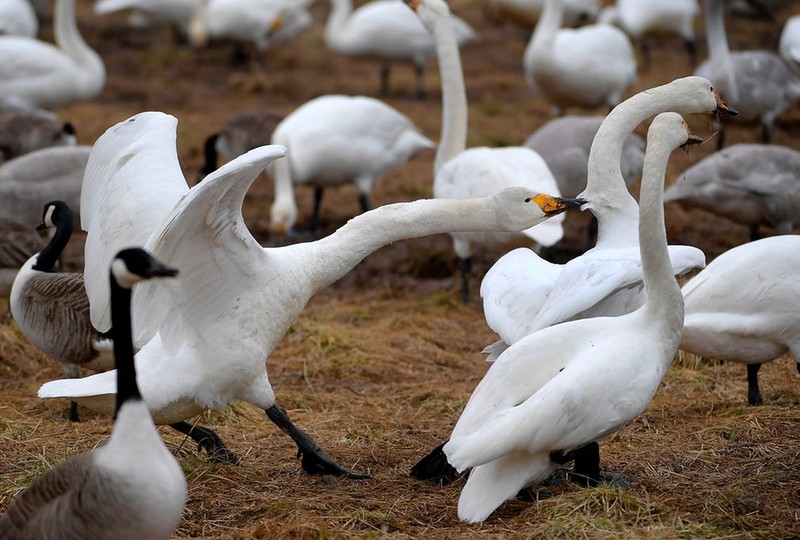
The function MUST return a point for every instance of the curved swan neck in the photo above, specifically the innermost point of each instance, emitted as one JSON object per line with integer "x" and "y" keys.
{"x": 664, "y": 299}
{"x": 719, "y": 54}
{"x": 284, "y": 188}
{"x": 453, "y": 139}
{"x": 336, "y": 254}
{"x": 550, "y": 21}
{"x": 337, "y": 20}
{"x": 127, "y": 388}
{"x": 68, "y": 36}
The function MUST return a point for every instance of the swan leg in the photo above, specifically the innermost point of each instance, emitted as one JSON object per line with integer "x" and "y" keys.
{"x": 419, "y": 69}
{"x": 315, "y": 226}
{"x": 754, "y": 235}
{"x": 586, "y": 471}
{"x": 766, "y": 133}
{"x": 435, "y": 468}
{"x": 464, "y": 267}
{"x": 753, "y": 391}
{"x": 691, "y": 49}
{"x": 363, "y": 200}
{"x": 209, "y": 441}
{"x": 314, "y": 458}
{"x": 385, "y": 71}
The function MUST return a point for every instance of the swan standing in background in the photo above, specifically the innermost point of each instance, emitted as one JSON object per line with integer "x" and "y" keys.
{"x": 743, "y": 307}
{"x": 23, "y": 132}
{"x": 18, "y": 241}
{"x": 789, "y": 46}
{"x": 477, "y": 172}
{"x": 523, "y": 293}
{"x": 131, "y": 488}
{"x": 243, "y": 132}
{"x": 588, "y": 67}
{"x": 17, "y": 18}
{"x": 52, "y": 309}
{"x": 336, "y": 139}
{"x": 387, "y": 30}
{"x": 750, "y": 184}
{"x": 49, "y": 75}
{"x": 204, "y": 341}
{"x": 759, "y": 84}
{"x": 42, "y": 175}
{"x": 551, "y": 397}
{"x": 642, "y": 18}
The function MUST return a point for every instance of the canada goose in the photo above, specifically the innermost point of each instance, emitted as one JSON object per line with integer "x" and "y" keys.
{"x": 643, "y": 18}
{"x": 17, "y": 18}
{"x": 552, "y": 396}
{"x": 588, "y": 67}
{"x": 229, "y": 282}
{"x": 750, "y": 184}
{"x": 52, "y": 309}
{"x": 18, "y": 241}
{"x": 337, "y": 139}
{"x": 743, "y": 307}
{"x": 759, "y": 84}
{"x": 388, "y": 31}
{"x": 52, "y": 75}
{"x": 523, "y": 293}
{"x": 41, "y": 175}
{"x": 461, "y": 173}
{"x": 23, "y": 132}
{"x": 130, "y": 488}
{"x": 243, "y": 132}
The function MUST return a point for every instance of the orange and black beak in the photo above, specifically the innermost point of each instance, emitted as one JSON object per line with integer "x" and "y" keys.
{"x": 553, "y": 206}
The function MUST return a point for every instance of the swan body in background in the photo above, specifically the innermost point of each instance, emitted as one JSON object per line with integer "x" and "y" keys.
{"x": 587, "y": 67}
{"x": 743, "y": 307}
{"x": 177, "y": 13}
{"x": 478, "y": 172}
{"x": 527, "y": 12}
{"x": 641, "y": 18}
{"x": 759, "y": 84}
{"x": 564, "y": 143}
{"x": 47, "y": 75}
{"x": 336, "y": 139}
{"x": 17, "y": 18}
{"x": 42, "y": 175}
{"x": 554, "y": 394}
{"x": 789, "y": 46}
{"x": 243, "y": 132}
{"x": 204, "y": 341}
{"x": 750, "y": 184}
{"x": 18, "y": 241}
{"x": 23, "y": 132}
{"x": 52, "y": 309}
{"x": 387, "y": 30}
{"x": 130, "y": 488}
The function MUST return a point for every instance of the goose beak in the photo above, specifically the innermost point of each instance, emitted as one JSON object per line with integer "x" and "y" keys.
{"x": 553, "y": 206}
{"x": 41, "y": 226}
{"x": 160, "y": 270}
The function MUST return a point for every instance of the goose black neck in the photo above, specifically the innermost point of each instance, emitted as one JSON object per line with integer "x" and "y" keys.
{"x": 127, "y": 389}
{"x": 211, "y": 156}
{"x": 46, "y": 261}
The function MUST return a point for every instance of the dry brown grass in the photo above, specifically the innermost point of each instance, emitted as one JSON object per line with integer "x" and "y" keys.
{"x": 379, "y": 366}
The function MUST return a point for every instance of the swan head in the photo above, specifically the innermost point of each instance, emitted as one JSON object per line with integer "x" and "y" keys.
{"x": 283, "y": 216}
{"x": 696, "y": 95}
{"x": 671, "y": 128}
{"x": 429, "y": 11}
{"x": 133, "y": 265}
{"x": 520, "y": 208}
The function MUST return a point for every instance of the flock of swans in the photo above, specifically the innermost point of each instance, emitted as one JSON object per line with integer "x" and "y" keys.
{"x": 583, "y": 346}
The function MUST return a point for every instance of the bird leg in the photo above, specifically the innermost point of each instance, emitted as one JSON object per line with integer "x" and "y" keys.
{"x": 766, "y": 133}
{"x": 753, "y": 391}
{"x": 209, "y": 441}
{"x": 315, "y": 227}
{"x": 435, "y": 468}
{"x": 420, "y": 71}
{"x": 586, "y": 471}
{"x": 363, "y": 200}
{"x": 314, "y": 458}
{"x": 385, "y": 68}
{"x": 691, "y": 48}
{"x": 464, "y": 267}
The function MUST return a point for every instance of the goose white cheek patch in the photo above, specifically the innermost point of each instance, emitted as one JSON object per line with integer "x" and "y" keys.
{"x": 125, "y": 278}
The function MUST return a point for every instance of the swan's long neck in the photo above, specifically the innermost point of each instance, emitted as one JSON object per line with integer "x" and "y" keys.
{"x": 337, "y": 20}
{"x": 453, "y": 138}
{"x": 47, "y": 258}
{"x": 69, "y": 39}
{"x": 284, "y": 203}
{"x": 127, "y": 389}
{"x": 335, "y": 255}
{"x": 719, "y": 54}
{"x": 544, "y": 34}
{"x": 663, "y": 295}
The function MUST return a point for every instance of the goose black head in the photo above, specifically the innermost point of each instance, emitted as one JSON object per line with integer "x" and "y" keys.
{"x": 133, "y": 265}
{"x": 56, "y": 214}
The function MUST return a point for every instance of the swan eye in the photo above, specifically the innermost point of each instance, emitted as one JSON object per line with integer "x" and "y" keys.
{"x": 528, "y": 199}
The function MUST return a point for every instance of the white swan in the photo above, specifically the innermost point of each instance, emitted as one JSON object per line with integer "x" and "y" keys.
{"x": 750, "y": 184}
{"x": 177, "y": 13}
{"x": 49, "y": 76}
{"x": 24, "y": 132}
{"x": 52, "y": 309}
{"x": 527, "y": 12}
{"x": 336, "y": 139}
{"x": 17, "y": 18}
{"x": 589, "y": 67}
{"x": 642, "y": 18}
{"x": 789, "y": 46}
{"x": 131, "y": 487}
{"x": 386, "y": 30}
{"x": 42, "y": 175}
{"x": 477, "y": 172}
{"x": 743, "y": 307}
{"x": 553, "y": 395}
{"x": 204, "y": 341}
{"x": 759, "y": 84}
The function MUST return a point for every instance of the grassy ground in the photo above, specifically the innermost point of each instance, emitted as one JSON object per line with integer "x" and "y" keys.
{"x": 379, "y": 365}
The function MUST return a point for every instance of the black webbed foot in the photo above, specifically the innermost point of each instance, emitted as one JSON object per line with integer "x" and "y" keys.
{"x": 208, "y": 441}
